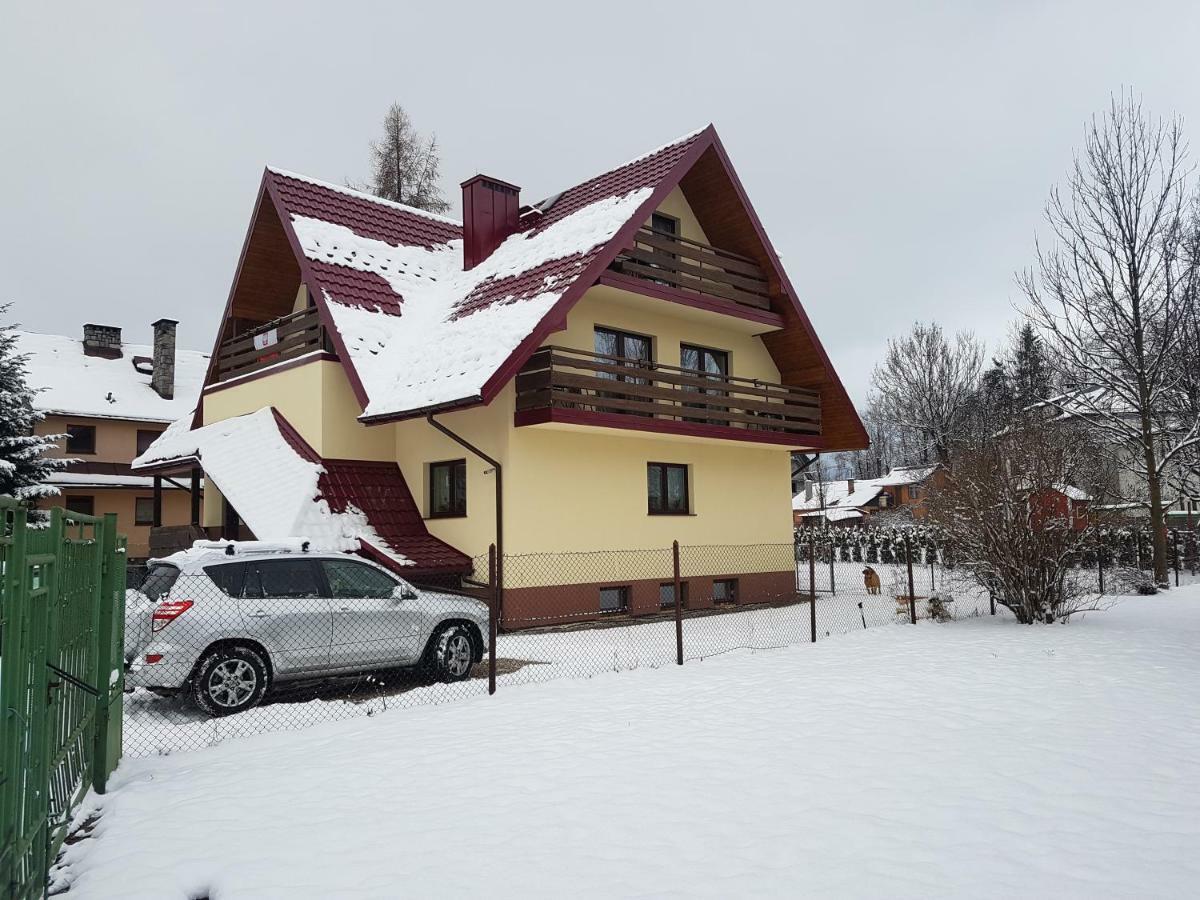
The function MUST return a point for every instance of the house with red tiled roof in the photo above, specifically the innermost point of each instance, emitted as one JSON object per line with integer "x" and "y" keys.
{"x": 620, "y": 365}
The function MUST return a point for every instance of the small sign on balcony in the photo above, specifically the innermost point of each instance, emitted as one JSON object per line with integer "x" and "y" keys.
{"x": 266, "y": 339}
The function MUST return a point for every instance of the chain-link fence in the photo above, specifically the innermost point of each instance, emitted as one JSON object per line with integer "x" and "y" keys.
{"x": 220, "y": 645}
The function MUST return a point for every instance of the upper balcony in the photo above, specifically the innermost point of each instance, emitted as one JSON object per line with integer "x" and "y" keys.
{"x": 661, "y": 259}
{"x": 577, "y": 387}
{"x": 281, "y": 340}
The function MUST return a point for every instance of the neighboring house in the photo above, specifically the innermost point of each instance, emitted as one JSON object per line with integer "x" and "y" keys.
{"x": 111, "y": 400}
{"x": 618, "y": 366}
{"x": 1126, "y": 492}
{"x": 851, "y": 501}
{"x": 1061, "y": 502}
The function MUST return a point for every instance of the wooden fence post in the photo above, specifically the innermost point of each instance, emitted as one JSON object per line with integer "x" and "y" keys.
{"x": 912, "y": 593}
{"x": 493, "y": 615}
{"x": 812, "y": 587}
{"x": 109, "y": 674}
{"x": 678, "y": 605}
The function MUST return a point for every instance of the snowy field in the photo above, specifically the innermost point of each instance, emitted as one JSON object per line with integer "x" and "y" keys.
{"x": 978, "y": 758}
{"x": 157, "y": 725}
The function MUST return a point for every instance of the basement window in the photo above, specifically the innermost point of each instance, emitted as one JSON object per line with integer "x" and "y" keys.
{"x": 614, "y": 599}
{"x": 666, "y": 594}
{"x": 725, "y": 590}
{"x": 448, "y": 489}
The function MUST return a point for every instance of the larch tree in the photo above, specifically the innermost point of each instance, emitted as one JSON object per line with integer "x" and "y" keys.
{"x": 25, "y": 468}
{"x": 405, "y": 166}
{"x": 1113, "y": 291}
{"x": 926, "y": 386}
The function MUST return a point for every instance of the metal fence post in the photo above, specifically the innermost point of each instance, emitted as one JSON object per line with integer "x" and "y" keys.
{"x": 1175, "y": 553}
{"x": 912, "y": 592}
{"x": 493, "y": 614}
{"x": 1100, "y": 566}
{"x": 14, "y": 668}
{"x": 812, "y": 588}
{"x": 832, "y": 582}
{"x": 678, "y": 605}
{"x": 109, "y": 677}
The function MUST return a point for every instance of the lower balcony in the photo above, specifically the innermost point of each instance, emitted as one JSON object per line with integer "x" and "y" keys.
{"x": 576, "y": 387}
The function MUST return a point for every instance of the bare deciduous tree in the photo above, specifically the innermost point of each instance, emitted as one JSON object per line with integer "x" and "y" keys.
{"x": 1002, "y": 527}
{"x": 1112, "y": 293}
{"x": 405, "y": 165}
{"x": 926, "y": 386}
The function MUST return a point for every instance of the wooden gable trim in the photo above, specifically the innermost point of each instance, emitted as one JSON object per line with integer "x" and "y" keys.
{"x": 307, "y": 276}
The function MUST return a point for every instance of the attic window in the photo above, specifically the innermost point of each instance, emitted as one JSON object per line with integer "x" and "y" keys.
{"x": 664, "y": 223}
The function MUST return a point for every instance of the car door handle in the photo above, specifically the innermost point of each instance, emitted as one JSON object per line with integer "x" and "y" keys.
{"x": 257, "y": 614}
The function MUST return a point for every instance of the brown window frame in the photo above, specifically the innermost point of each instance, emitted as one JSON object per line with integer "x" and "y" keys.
{"x": 664, "y": 483}
{"x": 141, "y": 432}
{"x": 90, "y": 450}
{"x": 670, "y": 604}
{"x": 734, "y": 589}
{"x": 89, "y": 502}
{"x": 139, "y": 519}
{"x": 624, "y": 592}
{"x": 458, "y": 505}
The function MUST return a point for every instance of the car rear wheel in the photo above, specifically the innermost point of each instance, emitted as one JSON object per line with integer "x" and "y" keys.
{"x": 229, "y": 679}
{"x": 451, "y": 654}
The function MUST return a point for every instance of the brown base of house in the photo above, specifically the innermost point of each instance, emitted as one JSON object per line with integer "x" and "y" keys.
{"x": 533, "y": 607}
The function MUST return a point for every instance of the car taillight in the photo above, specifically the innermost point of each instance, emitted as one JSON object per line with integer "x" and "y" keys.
{"x": 152, "y": 658}
{"x": 167, "y": 612}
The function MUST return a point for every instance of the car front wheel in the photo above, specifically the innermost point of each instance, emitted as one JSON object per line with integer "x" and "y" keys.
{"x": 451, "y": 654}
{"x": 229, "y": 680}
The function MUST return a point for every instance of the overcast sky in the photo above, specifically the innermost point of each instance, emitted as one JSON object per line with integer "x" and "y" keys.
{"x": 898, "y": 154}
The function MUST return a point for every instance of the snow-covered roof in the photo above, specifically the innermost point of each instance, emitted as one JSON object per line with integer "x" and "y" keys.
{"x": 283, "y": 490}
{"x": 277, "y": 496}
{"x": 838, "y": 493}
{"x": 1072, "y": 493}
{"x": 75, "y": 384}
{"x": 420, "y": 331}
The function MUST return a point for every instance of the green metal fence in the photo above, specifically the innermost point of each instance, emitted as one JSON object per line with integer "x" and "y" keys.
{"x": 61, "y": 632}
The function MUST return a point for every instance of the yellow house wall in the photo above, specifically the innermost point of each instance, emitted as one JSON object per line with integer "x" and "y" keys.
{"x": 116, "y": 439}
{"x": 675, "y": 204}
{"x": 176, "y": 510}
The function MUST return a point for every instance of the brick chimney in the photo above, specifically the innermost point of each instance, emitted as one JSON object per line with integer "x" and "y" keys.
{"x": 162, "y": 377}
{"x": 102, "y": 340}
{"x": 490, "y": 210}
{"x": 849, "y": 485}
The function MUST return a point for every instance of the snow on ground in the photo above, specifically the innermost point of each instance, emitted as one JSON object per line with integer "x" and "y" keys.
{"x": 154, "y": 725}
{"x": 978, "y": 758}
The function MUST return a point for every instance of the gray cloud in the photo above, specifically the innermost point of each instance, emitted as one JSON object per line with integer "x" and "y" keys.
{"x": 899, "y": 157}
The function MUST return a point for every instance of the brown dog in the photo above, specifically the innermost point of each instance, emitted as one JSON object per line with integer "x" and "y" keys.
{"x": 871, "y": 580}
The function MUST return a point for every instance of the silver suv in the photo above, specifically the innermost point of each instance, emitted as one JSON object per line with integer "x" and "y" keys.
{"x": 225, "y": 624}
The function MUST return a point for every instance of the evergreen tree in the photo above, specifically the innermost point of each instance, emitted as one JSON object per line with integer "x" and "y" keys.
{"x": 24, "y": 467}
{"x": 1031, "y": 378}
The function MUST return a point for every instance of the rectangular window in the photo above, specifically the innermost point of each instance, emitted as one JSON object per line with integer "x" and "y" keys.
{"x": 145, "y": 437}
{"x": 614, "y": 599}
{"x": 81, "y": 439}
{"x": 143, "y": 511}
{"x": 80, "y": 504}
{"x": 663, "y": 222}
{"x": 666, "y": 594}
{"x": 635, "y": 352}
{"x": 667, "y": 489}
{"x": 709, "y": 364}
{"x": 725, "y": 590}
{"x": 448, "y": 489}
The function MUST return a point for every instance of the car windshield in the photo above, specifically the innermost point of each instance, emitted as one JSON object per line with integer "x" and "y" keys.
{"x": 158, "y": 581}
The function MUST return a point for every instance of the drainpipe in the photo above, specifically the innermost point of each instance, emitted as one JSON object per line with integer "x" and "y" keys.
{"x": 462, "y": 442}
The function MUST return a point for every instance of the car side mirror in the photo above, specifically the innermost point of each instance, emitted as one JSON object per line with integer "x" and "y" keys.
{"x": 403, "y": 592}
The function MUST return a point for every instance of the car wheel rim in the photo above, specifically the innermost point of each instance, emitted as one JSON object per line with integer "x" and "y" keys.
{"x": 232, "y": 682}
{"x": 458, "y": 655}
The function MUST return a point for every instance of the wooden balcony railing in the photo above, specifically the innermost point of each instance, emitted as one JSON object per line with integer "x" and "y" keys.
{"x": 274, "y": 342}
{"x": 559, "y": 378}
{"x": 687, "y": 265}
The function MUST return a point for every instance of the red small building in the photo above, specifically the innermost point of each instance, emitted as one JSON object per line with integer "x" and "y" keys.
{"x": 1060, "y": 502}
